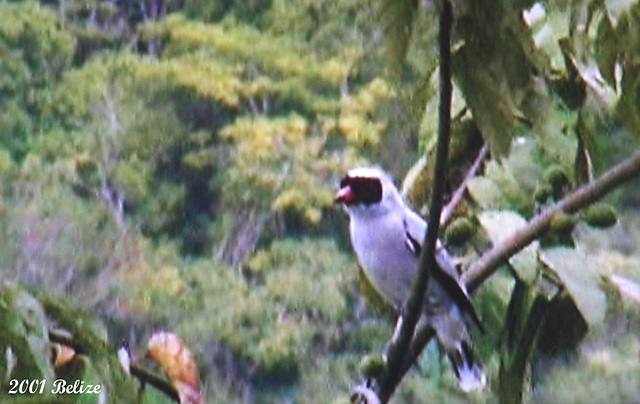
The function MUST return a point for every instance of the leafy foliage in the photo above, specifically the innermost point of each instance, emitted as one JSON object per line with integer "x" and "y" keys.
{"x": 35, "y": 53}
{"x": 24, "y": 336}
{"x": 26, "y": 346}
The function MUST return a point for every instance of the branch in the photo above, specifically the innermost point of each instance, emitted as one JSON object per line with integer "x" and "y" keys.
{"x": 489, "y": 262}
{"x": 399, "y": 349}
{"x": 422, "y": 338}
{"x": 492, "y": 259}
{"x": 459, "y": 193}
{"x": 409, "y": 343}
{"x": 513, "y": 365}
{"x": 148, "y": 377}
{"x": 142, "y": 374}
{"x": 498, "y": 255}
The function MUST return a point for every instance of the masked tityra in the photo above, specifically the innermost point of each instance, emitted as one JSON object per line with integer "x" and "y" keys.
{"x": 386, "y": 236}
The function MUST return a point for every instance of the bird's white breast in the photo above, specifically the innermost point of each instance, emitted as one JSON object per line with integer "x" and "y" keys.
{"x": 380, "y": 244}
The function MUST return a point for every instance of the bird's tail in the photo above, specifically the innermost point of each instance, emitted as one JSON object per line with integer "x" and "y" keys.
{"x": 467, "y": 369}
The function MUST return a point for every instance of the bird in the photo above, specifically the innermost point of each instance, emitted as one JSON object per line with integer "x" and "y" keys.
{"x": 386, "y": 235}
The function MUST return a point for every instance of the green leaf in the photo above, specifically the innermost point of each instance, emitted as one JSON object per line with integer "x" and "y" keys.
{"x": 606, "y": 50}
{"x": 564, "y": 328}
{"x": 493, "y": 68}
{"x": 485, "y": 192}
{"x": 581, "y": 278}
{"x": 500, "y": 225}
{"x": 628, "y": 107}
{"x": 397, "y": 16}
{"x": 23, "y": 336}
{"x": 617, "y": 8}
{"x": 492, "y": 110}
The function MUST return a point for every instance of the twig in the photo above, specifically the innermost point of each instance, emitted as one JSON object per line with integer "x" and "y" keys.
{"x": 142, "y": 374}
{"x": 459, "y": 193}
{"x": 148, "y": 377}
{"x": 62, "y": 338}
{"x": 399, "y": 348}
{"x": 489, "y": 262}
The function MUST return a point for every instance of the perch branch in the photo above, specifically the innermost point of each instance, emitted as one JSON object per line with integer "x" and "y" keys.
{"x": 399, "y": 349}
{"x": 422, "y": 338}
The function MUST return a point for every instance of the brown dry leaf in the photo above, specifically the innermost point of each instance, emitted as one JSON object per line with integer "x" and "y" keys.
{"x": 177, "y": 362}
{"x": 61, "y": 354}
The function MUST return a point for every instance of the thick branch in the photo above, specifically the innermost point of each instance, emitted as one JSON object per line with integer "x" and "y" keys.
{"x": 489, "y": 262}
{"x": 400, "y": 348}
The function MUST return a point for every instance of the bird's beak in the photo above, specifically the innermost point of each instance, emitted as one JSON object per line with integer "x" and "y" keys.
{"x": 344, "y": 195}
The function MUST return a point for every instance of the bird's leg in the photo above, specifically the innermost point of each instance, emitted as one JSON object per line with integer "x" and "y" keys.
{"x": 396, "y": 330}
{"x": 394, "y": 337}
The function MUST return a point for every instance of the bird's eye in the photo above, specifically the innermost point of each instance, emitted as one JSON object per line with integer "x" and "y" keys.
{"x": 345, "y": 181}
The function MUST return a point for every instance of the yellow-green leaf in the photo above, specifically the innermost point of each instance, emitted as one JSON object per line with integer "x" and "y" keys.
{"x": 581, "y": 278}
{"x": 484, "y": 192}
{"x": 502, "y": 224}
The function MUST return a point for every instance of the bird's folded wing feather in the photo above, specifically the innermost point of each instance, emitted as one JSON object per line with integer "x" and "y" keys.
{"x": 444, "y": 272}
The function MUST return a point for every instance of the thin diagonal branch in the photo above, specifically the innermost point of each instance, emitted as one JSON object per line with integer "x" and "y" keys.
{"x": 459, "y": 193}
{"x": 399, "y": 348}
{"x": 489, "y": 262}
{"x": 142, "y": 374}
{"x": 146, "y": 376}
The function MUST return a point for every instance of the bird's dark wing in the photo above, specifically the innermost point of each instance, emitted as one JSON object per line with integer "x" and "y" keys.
{"x": 458, "y": 294}
{"x": 448, "y": 282}
{"x": 412, "y": 244}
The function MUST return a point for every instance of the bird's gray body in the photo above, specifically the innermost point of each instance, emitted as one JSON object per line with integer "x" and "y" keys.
{"x": 390, "y": 272}
{"x": 386, "y": 238}
{"x": 393, "y": 266}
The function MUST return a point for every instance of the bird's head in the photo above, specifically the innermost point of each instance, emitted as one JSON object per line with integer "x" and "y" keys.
{"x": 366, "y": 189}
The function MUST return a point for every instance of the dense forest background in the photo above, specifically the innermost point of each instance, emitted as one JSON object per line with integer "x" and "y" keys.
{"x": 171, "y": 165}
